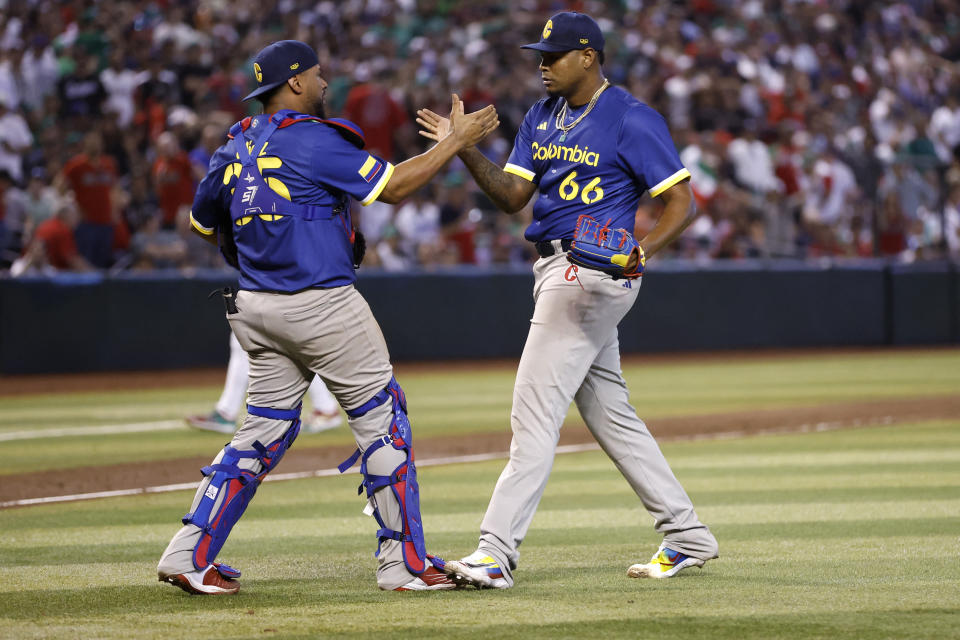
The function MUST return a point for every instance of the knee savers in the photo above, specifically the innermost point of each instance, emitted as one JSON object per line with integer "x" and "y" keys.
{"x": 402, "y": 480}
{"x": 231, "y": 488}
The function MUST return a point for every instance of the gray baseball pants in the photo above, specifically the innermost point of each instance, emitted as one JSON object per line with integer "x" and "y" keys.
{"x": 572, "y": 353}
{"x": 289, "y": 337}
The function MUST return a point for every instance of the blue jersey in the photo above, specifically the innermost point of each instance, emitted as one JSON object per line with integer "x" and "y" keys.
{"x": 621, "y": 149}
{"x": 308, "y": 162}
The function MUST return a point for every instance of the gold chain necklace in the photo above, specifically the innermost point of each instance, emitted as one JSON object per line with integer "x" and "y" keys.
{"x": 562, "y": 114}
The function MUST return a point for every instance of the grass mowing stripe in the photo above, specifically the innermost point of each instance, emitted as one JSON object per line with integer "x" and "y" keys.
{"x": 584, "y": 517}
{"x": 885, "y": 547}
{"x": 632, "y": 544}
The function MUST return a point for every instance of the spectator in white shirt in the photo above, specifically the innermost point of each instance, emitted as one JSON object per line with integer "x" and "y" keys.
{"x": 121, "y": 83}
{"x": 418, "y": 221}
{"x": 15, "y": 139}
{"x": 9, "y": 90}
{"x": 38, "y": 73}
{"x": 752, "y": 164}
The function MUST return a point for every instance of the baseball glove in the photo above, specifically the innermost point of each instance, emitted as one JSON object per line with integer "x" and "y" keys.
{"x": 359, "y": 248}
{"x": 612, "y": 251}
{"x": 227, "y": 244}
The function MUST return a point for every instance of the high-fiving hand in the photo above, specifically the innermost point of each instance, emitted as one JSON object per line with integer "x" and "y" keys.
{"x": 467, "y": 128}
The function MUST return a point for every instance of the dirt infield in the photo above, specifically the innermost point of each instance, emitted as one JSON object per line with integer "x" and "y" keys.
{"x": 307, "y": 458}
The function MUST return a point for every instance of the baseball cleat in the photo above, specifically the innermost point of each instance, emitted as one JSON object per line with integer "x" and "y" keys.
{"x": 216, "y": 579}
{"x": 478, "y": 569}
{"x": 430, "y": 580}
{"x": 212, "y": 422}
{"x": 665, "y": 563}
{"x": 320, "y": 421}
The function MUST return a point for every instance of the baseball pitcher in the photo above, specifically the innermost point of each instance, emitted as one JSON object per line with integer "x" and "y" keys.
{"x": 590, "y": 151}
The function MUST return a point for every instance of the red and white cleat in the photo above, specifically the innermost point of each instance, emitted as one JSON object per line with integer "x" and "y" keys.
{"x": 213, "y": 580}
{"x": 430, "y": 580}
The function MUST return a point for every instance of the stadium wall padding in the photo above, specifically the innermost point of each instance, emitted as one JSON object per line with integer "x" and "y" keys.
{"x": 78, "y": 323}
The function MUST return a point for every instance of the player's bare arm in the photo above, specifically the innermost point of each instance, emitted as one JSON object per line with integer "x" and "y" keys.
{"x": 678, "y": 212}
{"x": 464, "y": 131}
{"x": 509, "y": 192}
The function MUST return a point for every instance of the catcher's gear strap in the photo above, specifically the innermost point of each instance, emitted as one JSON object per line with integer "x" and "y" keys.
{"x": 605, "y": 249}
{"x": 275, "y": 414}
{"x": 234, "y": 487}
{"x": 402, "y": 480}
{"x": 347, "y": 130}
{"x": 382, "y": 396}
{"x": 226, "y": 570}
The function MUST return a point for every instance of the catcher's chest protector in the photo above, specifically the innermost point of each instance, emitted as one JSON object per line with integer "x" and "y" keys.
{"x": 278, "y": 241}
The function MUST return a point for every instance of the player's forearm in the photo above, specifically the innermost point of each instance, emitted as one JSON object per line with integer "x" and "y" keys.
{"x": 503, "y": 188}
{"x": 678, "y": 212}
{"x": 411, "y": 174}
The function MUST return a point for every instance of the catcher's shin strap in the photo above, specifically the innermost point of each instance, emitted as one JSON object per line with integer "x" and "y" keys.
{"x": 549, "y": 248}
{"x": 275, "y": 414}
{"x": 392, "y": 390}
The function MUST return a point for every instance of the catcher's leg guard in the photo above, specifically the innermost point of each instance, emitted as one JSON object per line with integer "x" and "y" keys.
{"x": 231, "y": 488}
{"x": 402, "y": 480}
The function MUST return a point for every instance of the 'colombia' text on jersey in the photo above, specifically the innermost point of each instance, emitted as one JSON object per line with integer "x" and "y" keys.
{"x": 602, "y": 168}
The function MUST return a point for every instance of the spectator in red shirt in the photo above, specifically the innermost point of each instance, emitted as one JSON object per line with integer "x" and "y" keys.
{"x": 92, "y": 176}
{"x": 371, "y": 106}
{"x": 172, "y": 178}
{"x": 53, "y": 244}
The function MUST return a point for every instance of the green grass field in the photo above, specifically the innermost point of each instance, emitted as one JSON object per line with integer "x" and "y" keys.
{"x": 841, "y": 534}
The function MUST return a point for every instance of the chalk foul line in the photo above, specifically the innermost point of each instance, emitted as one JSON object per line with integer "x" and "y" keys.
{"x": 107, "y": 429}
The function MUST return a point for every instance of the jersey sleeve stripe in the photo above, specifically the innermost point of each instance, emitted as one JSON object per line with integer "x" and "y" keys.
{"x": 663, "y": 185}
{"x": 199, "y": 227}
{"x": 517, "y": 170}
{"x": 378, "y": 188}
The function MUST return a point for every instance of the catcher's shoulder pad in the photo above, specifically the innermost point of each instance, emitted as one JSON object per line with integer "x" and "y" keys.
{"x": 239, "y": 127}
{"x": 349, "y": 131}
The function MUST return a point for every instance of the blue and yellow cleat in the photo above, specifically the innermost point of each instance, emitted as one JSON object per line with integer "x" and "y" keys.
{"x": 478, "y": 569}
{"x": 665, "y": 563}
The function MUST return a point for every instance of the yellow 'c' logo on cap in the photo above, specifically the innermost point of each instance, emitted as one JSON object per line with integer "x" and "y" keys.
{"x": 257, "y": 72}
{"x": 295, "y": 66}
{"x": 547, "y": 29}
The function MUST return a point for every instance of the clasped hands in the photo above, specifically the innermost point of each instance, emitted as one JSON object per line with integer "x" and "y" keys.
{"x": 467, "y": 128}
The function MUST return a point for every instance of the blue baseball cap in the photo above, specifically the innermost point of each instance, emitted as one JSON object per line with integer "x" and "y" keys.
{"x": 280, "y": 61}
{"x": 567, "y": 31}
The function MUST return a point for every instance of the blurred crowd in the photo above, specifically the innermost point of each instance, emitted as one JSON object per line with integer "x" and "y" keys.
{"x": 811, "y": 128}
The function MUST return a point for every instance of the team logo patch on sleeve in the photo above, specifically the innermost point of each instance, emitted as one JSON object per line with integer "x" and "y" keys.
{"x": 370, "y": 168}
